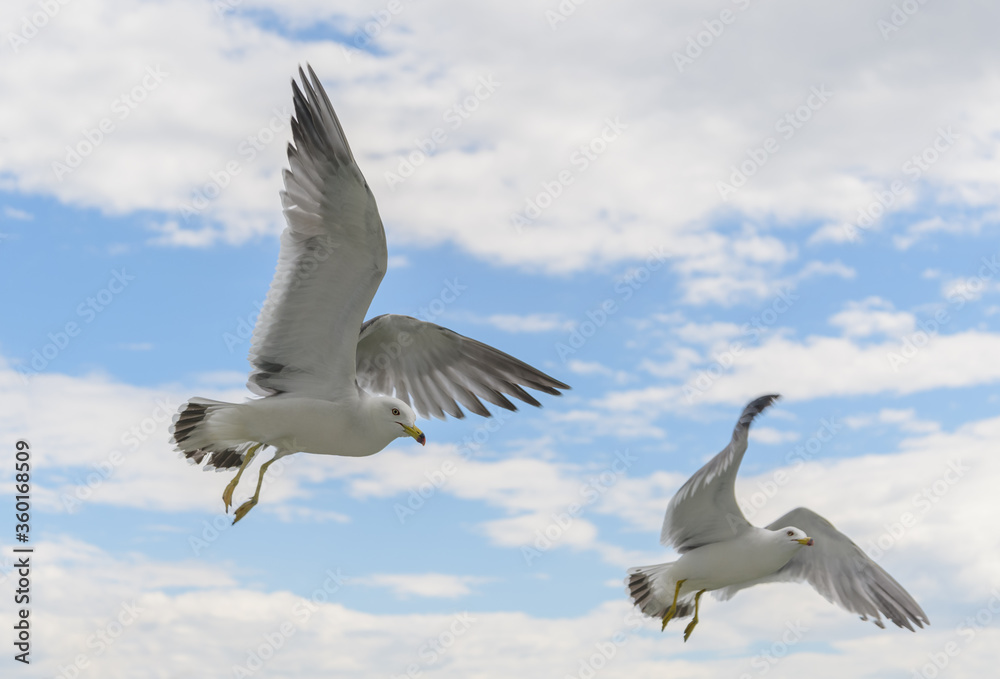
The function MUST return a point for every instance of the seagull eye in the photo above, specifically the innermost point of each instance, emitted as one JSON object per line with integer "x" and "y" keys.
{"x": 395, "y": 411}
{"x": 790, "y": 533}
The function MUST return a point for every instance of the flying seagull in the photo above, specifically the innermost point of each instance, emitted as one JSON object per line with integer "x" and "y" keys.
{"x": 333, "y": 383}
{"x": 722, "y": 552}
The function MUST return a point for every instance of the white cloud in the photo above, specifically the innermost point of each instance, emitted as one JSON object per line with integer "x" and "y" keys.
{"x": 682, "y": 137}
{"x": 731, "y": 283}
{"x": 707, "y": 333}
{"x": 772, "y": 436}
{"x": 313, "y": 635}
{"x": 683, "y": 359}
{"x": 13, "y": 213}
{"x": 136, "y": 346}
{"x": 831, "y": 233}
{"x": 921, "y": 230}
{"x": 404, "y": 585}
{"x": 524, "y": 323}
{"x": 578, "y": 367}
{"x": 905, "y": 419}
{"x": 970, "y": 289}
{"x": 291, "y": 514}
{"x": 821, "y": 366}
{"x": 873, "y": 316}
{"x": 398, "y": 262}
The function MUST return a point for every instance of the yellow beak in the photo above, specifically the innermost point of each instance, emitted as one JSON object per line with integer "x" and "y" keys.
{"x": 805, "y": 541}
{"x": 415, "y": 433}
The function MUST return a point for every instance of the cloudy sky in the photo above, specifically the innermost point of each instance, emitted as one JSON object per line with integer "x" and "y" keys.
{"x": 673, "y": 209}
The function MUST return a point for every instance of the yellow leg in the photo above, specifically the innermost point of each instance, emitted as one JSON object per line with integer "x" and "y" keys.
{"x": 227, "y": 494}
{"x": 668, "y": 616}
{"x": 244, "y": 508}
{"x": 690, "y": 627}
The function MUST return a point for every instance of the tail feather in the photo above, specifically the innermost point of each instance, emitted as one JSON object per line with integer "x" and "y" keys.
{"x": 192, "y": 433}
{"x": 643, "y": 585}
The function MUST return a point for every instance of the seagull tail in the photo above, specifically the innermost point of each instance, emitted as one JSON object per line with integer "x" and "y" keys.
{"x": 205, "y": 431}
{"x": 652, "y": 589}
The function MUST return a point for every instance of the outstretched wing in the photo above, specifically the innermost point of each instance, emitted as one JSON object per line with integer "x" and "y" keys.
{"x": 436, "y": 369}
{"x": 842, "y": 573}
{"x": 704, "y": 510}
{"x": 332, "y": 259}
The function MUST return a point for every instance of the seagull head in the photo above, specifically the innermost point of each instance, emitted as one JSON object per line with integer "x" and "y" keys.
{"x": 403, "y": 415}
{"x": 792, "y": 534}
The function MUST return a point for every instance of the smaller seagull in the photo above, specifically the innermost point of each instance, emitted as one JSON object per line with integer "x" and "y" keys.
{"x": 333, "y": 383}
{"x": 722, "y": 552}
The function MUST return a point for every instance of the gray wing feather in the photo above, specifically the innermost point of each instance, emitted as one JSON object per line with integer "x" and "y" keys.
{"x": 840, "y": 571}
{"x": 704, "y": 510}
{"x": 438, "y": 371}
{"x": 332, "y": 259}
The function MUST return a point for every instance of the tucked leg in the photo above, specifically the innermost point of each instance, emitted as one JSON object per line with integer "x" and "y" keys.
{"x": 227, "y": 494}
{"x": 690, "y": 627}
{"x": 672, "y": 611}
{"x": 244, "y": 508}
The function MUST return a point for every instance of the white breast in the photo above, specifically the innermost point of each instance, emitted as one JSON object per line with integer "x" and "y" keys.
{"x": 752, "y": 555}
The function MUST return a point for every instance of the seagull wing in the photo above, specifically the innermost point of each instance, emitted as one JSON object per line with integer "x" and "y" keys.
{"x": 704, "y": 510}
{"x": 840, "y": 571}
{"x": 332, "y": 259}
{"x": 437, "y": 370}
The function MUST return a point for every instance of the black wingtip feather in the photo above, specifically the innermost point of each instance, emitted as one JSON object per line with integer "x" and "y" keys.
{"x": 755, "y": 408}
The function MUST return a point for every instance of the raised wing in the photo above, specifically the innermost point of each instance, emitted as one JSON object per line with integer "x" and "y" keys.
{"x": 332, "y": 259}
{"x": 435, "y": 369}
{"x": 704, "y": 510}
{"x": 840, "y": 571}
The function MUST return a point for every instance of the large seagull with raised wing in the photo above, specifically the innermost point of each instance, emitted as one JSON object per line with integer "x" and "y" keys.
{"x": 333, "y": 383}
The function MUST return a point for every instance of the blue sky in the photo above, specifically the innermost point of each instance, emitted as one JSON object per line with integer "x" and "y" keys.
{"x": 855, "y": 270}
